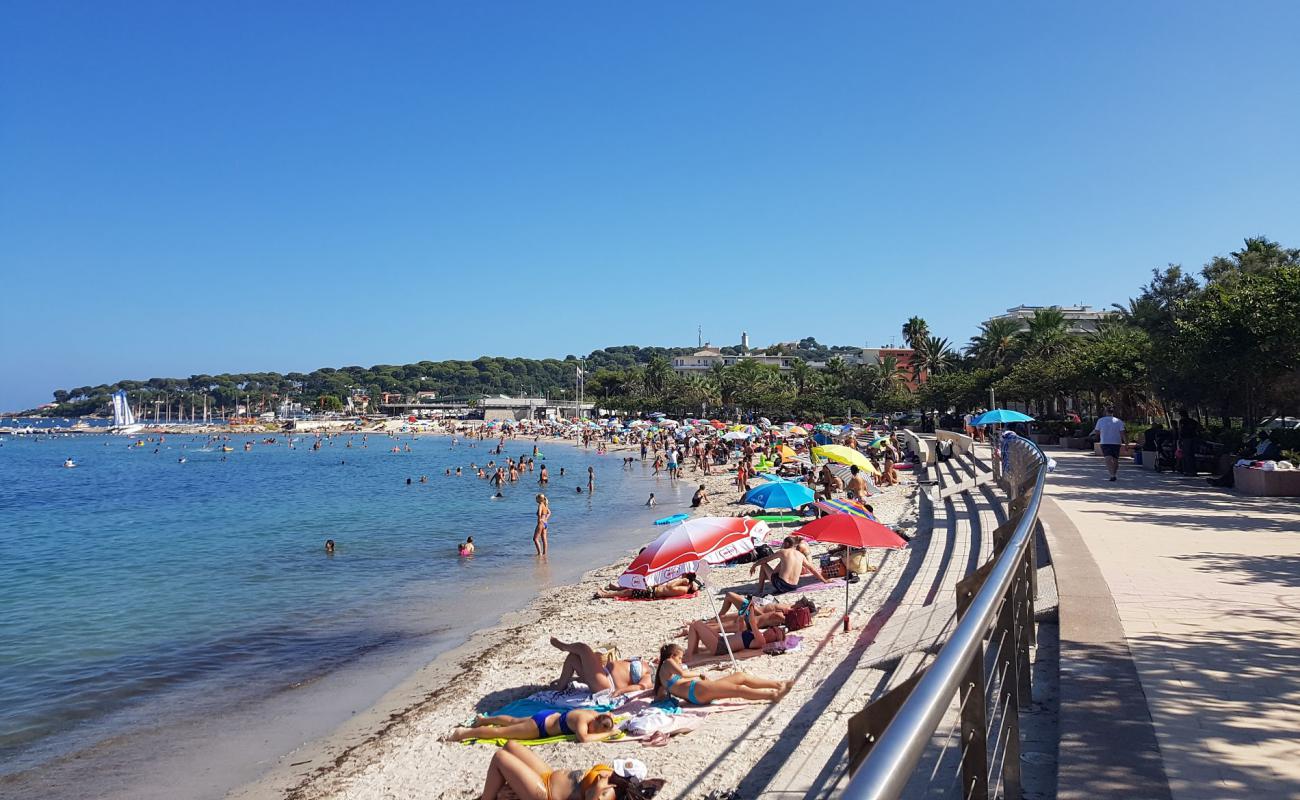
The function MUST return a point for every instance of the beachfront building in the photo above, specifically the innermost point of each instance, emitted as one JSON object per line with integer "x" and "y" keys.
{"x": 1081, "y": 319}
{"x": 702, "y": 360}
{"x": 871, "y": 356}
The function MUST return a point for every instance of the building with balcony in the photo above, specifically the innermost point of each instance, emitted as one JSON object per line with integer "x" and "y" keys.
{"x": 1081, "y": 320}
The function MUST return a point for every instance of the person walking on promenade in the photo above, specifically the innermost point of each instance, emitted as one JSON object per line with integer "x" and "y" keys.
{"x": 1111, "y": 430}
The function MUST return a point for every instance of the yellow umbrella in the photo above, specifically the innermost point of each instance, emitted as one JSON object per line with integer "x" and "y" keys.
{"x": 787, "y": 453}
{"x": 846, "y": 455}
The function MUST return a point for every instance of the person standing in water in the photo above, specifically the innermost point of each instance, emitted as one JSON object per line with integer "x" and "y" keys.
{"x": 591, "y": 480}
{"x": 543, "y": 524}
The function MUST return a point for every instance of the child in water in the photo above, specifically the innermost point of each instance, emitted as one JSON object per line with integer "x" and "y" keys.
{"x": 651, "y": 501}
{"x": 466, "y": 547}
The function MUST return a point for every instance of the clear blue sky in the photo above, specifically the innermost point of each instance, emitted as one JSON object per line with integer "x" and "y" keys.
{"x": 190, "y": 188}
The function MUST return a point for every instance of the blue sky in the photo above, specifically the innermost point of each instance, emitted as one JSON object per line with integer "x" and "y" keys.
{"x": 276, "y": 186}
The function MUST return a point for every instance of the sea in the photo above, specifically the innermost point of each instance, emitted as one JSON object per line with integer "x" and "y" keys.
{"x": 170, "y": 622}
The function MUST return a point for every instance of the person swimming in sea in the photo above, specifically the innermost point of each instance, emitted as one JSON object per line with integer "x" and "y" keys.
{"x": 466, "y": 548}
{"x": 651, "y": 501}
{"x": 329, "y": 547}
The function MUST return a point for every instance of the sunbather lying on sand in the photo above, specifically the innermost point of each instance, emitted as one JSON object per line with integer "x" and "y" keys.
{"x": 602, "y": 671}
{"x": 678, "y": 587}
{"x": 702, "y": 638}
{"x": 528, "y": 777}
{"x": 584, "y": 725}
{"x": 672, "y": 679}
{"x": 769, "y": 615}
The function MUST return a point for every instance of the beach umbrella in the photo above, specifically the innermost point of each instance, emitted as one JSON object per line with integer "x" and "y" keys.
{"x": 684, "y": 546}
{"x": 852, "y": 531}
{"x": 717, "y": 425}
{"x": 846, "y": 455}
{"x": 787, "y": 452}
{"x": 834, "y": 506}
{"x": 735, "y": 436}
{"x": 779, "y": 494}
{"x": 1001, "y": 416}
{"x": 691, "y": 546}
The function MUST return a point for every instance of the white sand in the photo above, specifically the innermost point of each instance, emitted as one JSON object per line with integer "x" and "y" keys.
{"x": 397, "y": 750}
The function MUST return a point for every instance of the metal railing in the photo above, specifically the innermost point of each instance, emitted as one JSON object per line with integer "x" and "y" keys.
{"x": 995, "y": 624}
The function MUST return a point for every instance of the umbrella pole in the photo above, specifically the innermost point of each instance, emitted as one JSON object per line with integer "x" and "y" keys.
{"x": 722, "y": 631}
{"x": 848, "y": 552}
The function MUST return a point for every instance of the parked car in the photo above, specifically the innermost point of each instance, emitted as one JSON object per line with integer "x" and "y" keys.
{"x": 1281, "y": 424}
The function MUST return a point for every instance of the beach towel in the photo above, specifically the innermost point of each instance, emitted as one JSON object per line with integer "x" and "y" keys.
{"x": 552, "y": 700}
{"x": 655, "y": 599}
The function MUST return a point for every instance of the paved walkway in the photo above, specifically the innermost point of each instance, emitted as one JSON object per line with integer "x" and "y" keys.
{"x": 1207, "y": 587}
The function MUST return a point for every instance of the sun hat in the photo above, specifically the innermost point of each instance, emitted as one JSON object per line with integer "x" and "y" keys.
{"x": 630, "y": 768}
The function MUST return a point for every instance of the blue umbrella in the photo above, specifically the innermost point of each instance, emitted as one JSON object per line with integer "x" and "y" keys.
{"x": 1001, "y": 416}
{"x": 779, "y": 494}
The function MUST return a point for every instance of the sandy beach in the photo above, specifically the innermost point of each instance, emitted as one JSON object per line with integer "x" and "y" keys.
{"x": 397, "y": 748}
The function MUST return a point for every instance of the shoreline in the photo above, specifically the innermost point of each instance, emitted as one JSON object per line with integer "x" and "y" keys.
{"x": 394, "y": 748}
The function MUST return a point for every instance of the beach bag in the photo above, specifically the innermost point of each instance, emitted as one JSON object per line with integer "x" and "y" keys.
{"x": 798, "y": 618}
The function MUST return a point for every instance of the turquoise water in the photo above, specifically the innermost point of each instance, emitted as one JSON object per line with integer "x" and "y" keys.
{"x": 137, "y": 586}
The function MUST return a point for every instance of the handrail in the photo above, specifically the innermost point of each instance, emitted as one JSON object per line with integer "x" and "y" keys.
{"x": 890, "y": 763}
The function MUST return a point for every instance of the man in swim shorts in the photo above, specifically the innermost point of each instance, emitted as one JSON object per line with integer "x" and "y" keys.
{"x": 791, "y": 563}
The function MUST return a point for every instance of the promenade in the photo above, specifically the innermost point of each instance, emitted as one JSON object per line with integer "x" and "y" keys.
{"x": 1206, "y": 600}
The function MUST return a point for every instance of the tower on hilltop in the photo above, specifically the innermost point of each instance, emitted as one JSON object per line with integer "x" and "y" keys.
{"x": 744, "y": 341}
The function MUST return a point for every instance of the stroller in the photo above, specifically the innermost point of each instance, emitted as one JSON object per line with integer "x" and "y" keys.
{"x": 1166, "y": 452}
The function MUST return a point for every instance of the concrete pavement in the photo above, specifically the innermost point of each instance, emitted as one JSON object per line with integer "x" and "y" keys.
{"x": 1206, "y": 586}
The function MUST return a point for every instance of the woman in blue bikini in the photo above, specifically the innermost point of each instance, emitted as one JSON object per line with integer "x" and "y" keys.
{"x": 672, "y": 679}
{"x": 583, "y": 725}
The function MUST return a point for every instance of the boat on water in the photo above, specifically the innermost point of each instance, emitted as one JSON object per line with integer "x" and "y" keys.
{"x": 124, "y": 421}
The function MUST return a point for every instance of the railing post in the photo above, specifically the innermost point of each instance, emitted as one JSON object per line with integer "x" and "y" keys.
{"x": 974, "y": 731}
{"x": 1008, "y": 667}
{"x": 1024, "y": 636}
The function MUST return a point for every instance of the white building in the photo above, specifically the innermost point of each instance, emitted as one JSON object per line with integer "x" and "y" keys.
{"x": 701, "y": 361}
{"x": 1080, "y": 319}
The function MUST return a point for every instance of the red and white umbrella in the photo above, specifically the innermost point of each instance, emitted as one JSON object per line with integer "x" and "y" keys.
{"x": 682, "y": 548}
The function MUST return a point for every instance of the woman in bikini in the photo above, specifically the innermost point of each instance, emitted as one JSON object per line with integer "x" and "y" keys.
{"x": 543, "y": 524}
{"x": 583, "y": 725}
{"x": 602, "y": 671}
{"x": 672, "y": 679}
{"x": 528, "y": 777}
{"x": 701, "y": 637}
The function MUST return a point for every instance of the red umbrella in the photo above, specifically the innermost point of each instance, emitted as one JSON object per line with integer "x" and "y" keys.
{"x": 682, "y": 547}
{"x": 851, "y": 530}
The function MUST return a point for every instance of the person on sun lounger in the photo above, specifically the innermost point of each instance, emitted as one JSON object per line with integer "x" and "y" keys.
{"x": 672, "y": 679}
{"x": 518, "y": 773}
{"x": 602, "y": 671}
{"x": 678, "y": 587}
{"x": 582, "y": 724}
{"x": 791, "y": 562}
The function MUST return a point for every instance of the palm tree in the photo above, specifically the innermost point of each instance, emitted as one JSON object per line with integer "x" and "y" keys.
{"x": 995, "y": 343}
{"x": 932, "y": 356}
{"x": 800, "y": 373}
{"x": 915, "y": 330}
{"x": 1047, "y": 333}
{"x": 889, "y": 374}
{"x": 658, "y": 372}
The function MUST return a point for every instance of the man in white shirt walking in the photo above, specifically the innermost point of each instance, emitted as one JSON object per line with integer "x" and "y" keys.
{"x": 1111, "y": 430}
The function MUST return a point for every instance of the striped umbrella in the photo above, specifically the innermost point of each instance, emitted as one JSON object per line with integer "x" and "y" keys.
{"x": 683, "y": 547}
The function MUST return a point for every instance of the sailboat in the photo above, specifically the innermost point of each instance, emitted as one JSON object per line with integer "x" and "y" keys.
{"x": 123, "y": 418}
